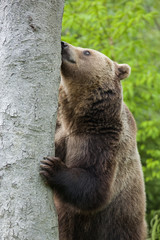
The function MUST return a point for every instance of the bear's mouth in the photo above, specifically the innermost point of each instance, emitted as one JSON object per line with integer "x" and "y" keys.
{"x": 66, "y": 53}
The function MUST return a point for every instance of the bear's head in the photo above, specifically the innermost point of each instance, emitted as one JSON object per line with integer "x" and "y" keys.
{"x": 92, "y": 80}
{"x": 89, "y": 67}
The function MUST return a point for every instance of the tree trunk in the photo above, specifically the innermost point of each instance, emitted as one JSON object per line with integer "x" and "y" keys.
{"x": 29, "y": 77}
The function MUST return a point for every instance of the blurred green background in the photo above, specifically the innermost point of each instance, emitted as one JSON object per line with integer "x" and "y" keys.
{"x": 128, "y": 32}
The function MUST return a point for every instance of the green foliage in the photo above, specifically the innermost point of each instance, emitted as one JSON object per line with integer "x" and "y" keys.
{"x": 127, "y": 31}
{"x": 155, "y": 227}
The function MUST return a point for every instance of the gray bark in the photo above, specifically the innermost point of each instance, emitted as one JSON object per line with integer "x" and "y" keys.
{"x": 29, "y": 77}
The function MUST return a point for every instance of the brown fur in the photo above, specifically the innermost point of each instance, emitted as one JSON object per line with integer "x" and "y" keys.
{"x": 97, "y": 177}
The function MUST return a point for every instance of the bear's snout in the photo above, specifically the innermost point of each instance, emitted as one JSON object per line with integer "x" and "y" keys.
{"x": 67, "y": 52}
{"x": 64, "y": 45}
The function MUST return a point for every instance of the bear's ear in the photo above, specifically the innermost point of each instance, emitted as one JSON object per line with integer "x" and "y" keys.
{"x": 122, "y": 71}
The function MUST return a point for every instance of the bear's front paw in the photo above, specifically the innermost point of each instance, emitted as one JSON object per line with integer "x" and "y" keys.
{"x": 49, "y": 167}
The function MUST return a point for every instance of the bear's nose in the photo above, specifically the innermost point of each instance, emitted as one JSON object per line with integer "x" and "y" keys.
{"x": 64, "y": 44}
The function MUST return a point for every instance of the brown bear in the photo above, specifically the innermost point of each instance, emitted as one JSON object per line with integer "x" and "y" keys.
{"x": 96, "y": 174}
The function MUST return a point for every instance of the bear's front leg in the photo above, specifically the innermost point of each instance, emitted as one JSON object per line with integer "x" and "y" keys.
{"x": 50, "y": 166}
{"x": 86, "y": 189}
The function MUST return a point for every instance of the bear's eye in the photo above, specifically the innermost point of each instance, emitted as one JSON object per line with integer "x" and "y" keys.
{"x": 86, "y": 53}
{"x": 110, "y": 91}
